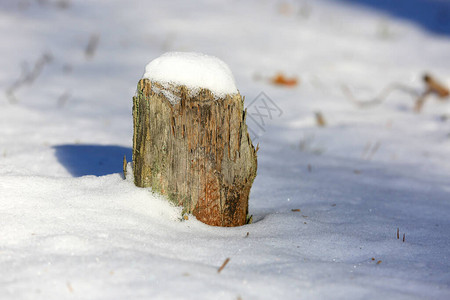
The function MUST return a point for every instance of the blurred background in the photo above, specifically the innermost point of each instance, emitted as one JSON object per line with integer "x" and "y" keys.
{"x": 70, "y": 69}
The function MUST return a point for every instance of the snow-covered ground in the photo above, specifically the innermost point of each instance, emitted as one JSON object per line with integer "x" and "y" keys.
{"x": 71, "y": 227}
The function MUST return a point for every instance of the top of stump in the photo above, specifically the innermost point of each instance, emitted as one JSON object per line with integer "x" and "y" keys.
{"x": 193, "y": 70}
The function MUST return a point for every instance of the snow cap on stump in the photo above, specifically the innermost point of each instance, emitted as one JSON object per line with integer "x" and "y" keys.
{"x": 193, "y": 70}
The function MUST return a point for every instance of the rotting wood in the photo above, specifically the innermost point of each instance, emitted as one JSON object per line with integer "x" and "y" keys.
{"x": 196, "y": 151}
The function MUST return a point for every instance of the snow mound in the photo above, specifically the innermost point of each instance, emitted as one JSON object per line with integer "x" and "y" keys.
{"x": 194, "y": 70}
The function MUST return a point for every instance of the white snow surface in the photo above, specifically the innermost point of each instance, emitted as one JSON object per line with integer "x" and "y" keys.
{"x": 194, "y": 70}
{"x": 72, "y": 228}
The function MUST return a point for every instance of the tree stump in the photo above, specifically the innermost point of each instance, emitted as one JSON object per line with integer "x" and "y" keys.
{"x": 195, "y": 149}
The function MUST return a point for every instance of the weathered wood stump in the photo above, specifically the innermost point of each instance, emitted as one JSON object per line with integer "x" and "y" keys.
{"x": 195, "y": 149}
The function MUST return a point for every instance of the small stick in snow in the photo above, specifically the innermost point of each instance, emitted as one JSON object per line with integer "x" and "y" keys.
{"x": 63, "y": 4}
{"x": 366, "y": 149}
{"x": 374, "y": 150}
{"x": 320, "y": 120}
{"x": 249, "y": 219}
{"x": 398, "y": 233}
{"x": 69, "y": 287}
{"x": 223, "y": 265}
{"x": 92, "y": 45}
{"x": 124, "y": 167}
{"x": 296, "y": 209}
{"x": 404, "y": 235}
{"x": 62, "y": 100}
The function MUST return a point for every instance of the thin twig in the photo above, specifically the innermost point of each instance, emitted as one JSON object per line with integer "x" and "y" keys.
{"x": 28, "y": 76}
{"x": 223, "y": 265}
{"x": 432, "y": 86}
{"x": 381, "y": 97}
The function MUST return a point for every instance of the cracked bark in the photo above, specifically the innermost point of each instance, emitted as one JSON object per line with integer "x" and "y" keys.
{"x": 197, "y": 152}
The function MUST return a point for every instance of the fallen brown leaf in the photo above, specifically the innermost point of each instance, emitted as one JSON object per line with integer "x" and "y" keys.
{"x": 280, "y": 79}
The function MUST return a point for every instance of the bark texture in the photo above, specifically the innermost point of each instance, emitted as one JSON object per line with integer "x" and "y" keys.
{"x": 195, "y": 150}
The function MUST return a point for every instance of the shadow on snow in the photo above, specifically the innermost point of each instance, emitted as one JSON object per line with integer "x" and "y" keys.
{"x": 433, "y": 15}
{"x": 96, "y": 160}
